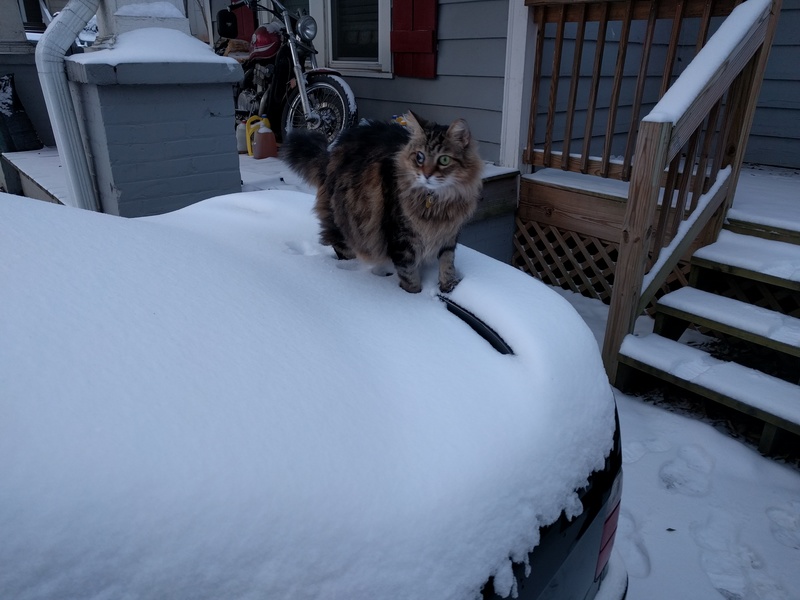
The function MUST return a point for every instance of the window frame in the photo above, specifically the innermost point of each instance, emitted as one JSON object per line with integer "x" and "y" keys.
{"x": 321, "y": 11}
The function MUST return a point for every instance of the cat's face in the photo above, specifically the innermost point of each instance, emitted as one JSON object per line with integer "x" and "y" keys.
{"x": 437, "y": 156}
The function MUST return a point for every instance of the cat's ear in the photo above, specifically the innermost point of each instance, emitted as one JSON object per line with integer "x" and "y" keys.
{"x": 459, "y": 132}
{"x": 415, "y": 121}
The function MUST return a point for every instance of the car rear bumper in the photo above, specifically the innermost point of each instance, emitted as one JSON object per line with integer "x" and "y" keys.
{"x": 615, "y": 583}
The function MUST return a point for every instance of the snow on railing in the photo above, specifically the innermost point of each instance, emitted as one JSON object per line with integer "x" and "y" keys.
{"x": 705, "y": 69}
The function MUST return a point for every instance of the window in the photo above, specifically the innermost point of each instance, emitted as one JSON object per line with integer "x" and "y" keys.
{"x": 364, "y": 37}
{"x": 354, "y": 30}
{"x": 354, "y": 35}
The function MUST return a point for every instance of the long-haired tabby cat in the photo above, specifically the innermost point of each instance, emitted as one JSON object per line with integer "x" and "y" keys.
{"x": 385, "y": 191}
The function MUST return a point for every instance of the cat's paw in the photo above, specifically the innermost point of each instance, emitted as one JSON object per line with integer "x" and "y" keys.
{"x": 449, "y": 285}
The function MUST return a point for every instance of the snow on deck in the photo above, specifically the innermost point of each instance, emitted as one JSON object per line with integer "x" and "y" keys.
{"x": 45, "y": 168}
{"x": 768, "y": 196}
{"x": 777, "y": 259}
{"x": 748, "y": 386}
{"x": 740, "y": 315}
{"x": 605, "y": 186}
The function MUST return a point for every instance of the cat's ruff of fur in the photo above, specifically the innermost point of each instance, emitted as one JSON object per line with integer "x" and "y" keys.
{"x": 385, "y": 191}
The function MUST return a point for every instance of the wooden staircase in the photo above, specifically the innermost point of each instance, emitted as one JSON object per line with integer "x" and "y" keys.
{"x": 744, "y": 288}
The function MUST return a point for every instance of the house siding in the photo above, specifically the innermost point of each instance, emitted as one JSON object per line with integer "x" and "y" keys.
{"x": 469, "y": 75}
{"x": 775, "y": 137}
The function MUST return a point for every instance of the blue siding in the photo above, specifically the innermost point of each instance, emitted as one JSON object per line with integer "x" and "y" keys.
{"x": 470, "y": 75}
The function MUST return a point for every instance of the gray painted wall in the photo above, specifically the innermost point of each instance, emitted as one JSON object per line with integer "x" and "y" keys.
{"x": 158, "y": 148}
{"x": 157, "y": 139}
{"x": 470, "y": 73}
{"x": 775, "y": 137}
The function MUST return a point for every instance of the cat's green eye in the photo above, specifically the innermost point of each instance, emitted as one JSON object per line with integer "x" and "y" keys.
{"x": 420, "y": 158}
{"x": 444, "y": 160}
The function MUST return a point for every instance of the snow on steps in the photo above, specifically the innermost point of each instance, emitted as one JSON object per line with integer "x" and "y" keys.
{"x": 749, "y": 256}
{"x": 727, "y": 315}
{"x": 774, "y": 401}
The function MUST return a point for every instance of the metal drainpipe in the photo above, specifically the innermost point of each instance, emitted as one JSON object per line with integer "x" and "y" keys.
{"x": 50, "y": 52}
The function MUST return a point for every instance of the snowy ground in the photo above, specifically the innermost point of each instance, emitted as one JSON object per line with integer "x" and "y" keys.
{"x": 703, "y": 516}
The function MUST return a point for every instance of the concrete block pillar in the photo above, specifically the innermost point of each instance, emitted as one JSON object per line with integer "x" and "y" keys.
{"x": 157, "y": 118}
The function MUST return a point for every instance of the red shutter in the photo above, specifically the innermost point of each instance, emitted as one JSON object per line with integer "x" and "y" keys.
{"x": 414, "y": 38}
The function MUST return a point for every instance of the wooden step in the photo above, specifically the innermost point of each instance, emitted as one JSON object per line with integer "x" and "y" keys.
{"x": 768, "y": 261}
{"x": 773, "y": 401}
{"x": 733, "y": 317}
{"x": 769, "y": 232}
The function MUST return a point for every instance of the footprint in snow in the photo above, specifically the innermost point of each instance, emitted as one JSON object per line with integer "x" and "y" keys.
{"x": 384, "y": 270}
{"x": 302, "y": 248}
{"x": 689, "y": 472}
{"x": 735, "y": 570}
{"x": 630, "y": 546}
{"x": 785, "y": 524}
{"x": 635, "y": 450}
{"x": 357, "y": 265}
{"x": 349, "y": 265}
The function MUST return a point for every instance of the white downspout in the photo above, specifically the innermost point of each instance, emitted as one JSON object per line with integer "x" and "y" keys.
{"x": 50, "y": 52}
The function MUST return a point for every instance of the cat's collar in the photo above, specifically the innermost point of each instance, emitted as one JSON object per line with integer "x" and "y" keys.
{"x": 429, "y": 198}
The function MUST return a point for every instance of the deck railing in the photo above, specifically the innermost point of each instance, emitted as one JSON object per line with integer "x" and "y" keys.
{"x": 694, "y": 68}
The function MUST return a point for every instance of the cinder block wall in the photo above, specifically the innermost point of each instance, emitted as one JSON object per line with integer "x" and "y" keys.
{"x": 158, "y": 148}
{"x": 159, "y": 136}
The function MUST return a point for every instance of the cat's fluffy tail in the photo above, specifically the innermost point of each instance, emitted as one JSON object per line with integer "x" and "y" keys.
{"x": 306, "y": 153}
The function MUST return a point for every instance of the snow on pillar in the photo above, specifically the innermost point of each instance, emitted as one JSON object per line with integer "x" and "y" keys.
{"x": 119, "y": 16}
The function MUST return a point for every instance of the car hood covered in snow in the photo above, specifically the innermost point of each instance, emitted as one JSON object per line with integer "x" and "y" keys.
{"x": 206, "y": 404}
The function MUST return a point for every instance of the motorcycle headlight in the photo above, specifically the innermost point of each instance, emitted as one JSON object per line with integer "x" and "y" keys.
{"x": 307, "y": 28}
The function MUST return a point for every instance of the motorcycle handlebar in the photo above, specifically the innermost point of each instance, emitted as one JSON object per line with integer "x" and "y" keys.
{"x": 253, "y": 4}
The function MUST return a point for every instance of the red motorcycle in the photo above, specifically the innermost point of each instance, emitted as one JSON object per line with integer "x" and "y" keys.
{"x": 276, "y": 83}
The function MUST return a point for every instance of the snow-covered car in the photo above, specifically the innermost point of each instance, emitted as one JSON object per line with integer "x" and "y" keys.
{"x": 207, "y": 404}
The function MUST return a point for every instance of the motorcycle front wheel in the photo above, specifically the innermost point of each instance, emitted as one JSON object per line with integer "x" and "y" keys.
{"x": 331, "y": 98}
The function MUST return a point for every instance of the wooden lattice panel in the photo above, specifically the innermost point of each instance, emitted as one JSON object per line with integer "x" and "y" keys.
{"x": 566, "y": 259}
{"x": 573, "y": 261}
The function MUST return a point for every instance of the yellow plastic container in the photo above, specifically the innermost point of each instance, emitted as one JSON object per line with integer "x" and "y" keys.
{"x": 253, "y": 125}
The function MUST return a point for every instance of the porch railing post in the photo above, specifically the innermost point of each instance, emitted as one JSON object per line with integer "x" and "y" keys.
{"x": 637, "y": 235}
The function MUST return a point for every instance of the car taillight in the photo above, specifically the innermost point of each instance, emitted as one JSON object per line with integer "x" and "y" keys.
{"x": 610, "y": 526}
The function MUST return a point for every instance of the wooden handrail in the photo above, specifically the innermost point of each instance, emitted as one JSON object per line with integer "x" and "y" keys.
{"x": 730, "y": 65}
{"x": 690, "y": 99}
{"x": 682, "y": 160}
{"x": 641, "y": 8}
